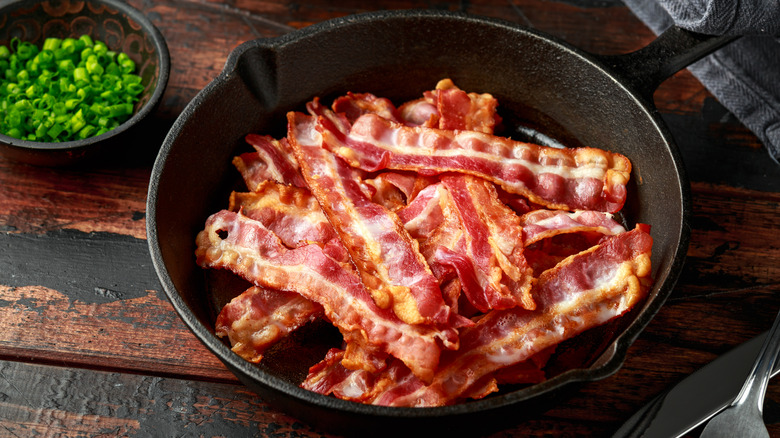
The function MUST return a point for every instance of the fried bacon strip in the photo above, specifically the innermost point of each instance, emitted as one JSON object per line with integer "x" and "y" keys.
{"x": 244, "y": 246}
{"x": 464, "y": 111}
{"x": 292, "y": 213}
{"x": 449, "y": 107}
{"x": 270, "y": 161}
{"x": 395, "y": 190}
{"x": 329, "y": 376}
{"x": 420, "y": 112}
{"x": 585, "y": 291}
{"x": 426, "y": 211}
{"x": 354, "y": 105}
{"x": 542, "y": 224}
{"x": 433, "y": 220}
{"x": 567, "y": 179}
{"x": 387, "y": 193}
{"x": 463, "y": 228}
{"x": 253, "y": 169}
{"x": 258, "y": 318}
{"x": 550, "y": 236}
{"x": 390, "y": 264}
{"x": 526, "y": 372}
{"x": 493, "y": 247}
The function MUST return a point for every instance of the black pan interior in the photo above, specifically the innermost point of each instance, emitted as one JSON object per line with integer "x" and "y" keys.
{"x": 541, "y": 84}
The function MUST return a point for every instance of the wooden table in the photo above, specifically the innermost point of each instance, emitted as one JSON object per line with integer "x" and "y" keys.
{"x": 90, "y": 346}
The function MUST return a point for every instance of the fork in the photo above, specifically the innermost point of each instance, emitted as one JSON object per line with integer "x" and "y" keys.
{"x": 744, "y": 417}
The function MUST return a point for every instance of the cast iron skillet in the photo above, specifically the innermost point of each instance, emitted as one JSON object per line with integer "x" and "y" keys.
{"x": 542, "y": 84}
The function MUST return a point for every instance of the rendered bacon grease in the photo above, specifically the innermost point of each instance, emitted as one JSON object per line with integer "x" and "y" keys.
{"x": 452, "y": 260}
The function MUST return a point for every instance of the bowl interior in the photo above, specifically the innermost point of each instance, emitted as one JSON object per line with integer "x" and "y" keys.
{"x": 115, "y": 23}
{"x": 542, "y": 86}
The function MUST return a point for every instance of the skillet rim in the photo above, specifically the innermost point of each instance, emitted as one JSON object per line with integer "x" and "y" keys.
{"x": 617, "y": 348}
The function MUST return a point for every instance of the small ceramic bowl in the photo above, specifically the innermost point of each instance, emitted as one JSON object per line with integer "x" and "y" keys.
{"x": 113, "y": 22}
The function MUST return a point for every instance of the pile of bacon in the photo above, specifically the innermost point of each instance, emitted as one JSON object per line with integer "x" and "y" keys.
{"x": 452, "y": 260}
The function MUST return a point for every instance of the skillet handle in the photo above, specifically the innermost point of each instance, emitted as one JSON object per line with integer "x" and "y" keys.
{"x": 675, "y": 49}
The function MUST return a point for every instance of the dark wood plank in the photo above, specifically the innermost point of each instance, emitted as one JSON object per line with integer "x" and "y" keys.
{"x": 54, "y": 401}
{"x": 36, "y": 200}
{"x": 136, "y": 334}
{"x": 40, "y": 400}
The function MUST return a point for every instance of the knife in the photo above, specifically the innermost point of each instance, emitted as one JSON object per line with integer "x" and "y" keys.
{"x": 697, "y": 398}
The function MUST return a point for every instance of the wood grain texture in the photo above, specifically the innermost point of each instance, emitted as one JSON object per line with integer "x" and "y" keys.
{"x": 40, "y": 400}
{"x": 136, "y": 334}
{"x": 91, "y": 346}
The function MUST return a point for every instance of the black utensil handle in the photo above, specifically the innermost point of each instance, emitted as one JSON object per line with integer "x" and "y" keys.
{"x": 675, "y": 49}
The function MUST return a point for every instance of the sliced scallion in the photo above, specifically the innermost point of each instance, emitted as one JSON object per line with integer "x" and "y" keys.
{"x": 68, "y": 89}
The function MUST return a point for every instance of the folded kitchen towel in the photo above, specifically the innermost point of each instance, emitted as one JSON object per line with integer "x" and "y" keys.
{"x": 744, "y": 75}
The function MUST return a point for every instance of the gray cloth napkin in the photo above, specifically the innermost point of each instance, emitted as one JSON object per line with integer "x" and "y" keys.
{"x": 745, "y": 75}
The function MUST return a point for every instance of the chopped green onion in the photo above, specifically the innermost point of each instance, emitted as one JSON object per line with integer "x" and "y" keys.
{"x": 119, "y": 110}
{"x": 71, "y": 46}
{"x": 134, "y": 89}
{"x": 86, "y": 131}
{"x": 55, "y": 130}
{"x": 93, "y": 66}
{"x": 86, "y": 40}
{"x": 68, "y": 89}
{"x": 26, "y": 50}
{"x": 71, "y": 104}
{"x": 66, "y": 66}
{"x": 100, "y": 48}
{"x": 77, "y": 121}
{"x": 51, "y": 44}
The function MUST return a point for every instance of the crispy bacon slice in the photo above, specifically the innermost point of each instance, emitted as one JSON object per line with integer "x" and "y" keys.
{"x": 361, "y": 355}
{"x": 459, "y": 110}
{"x": 449, "y": 107}
{"x": 420, "y": 112}
{"x": 587, "y": 290}
{"x": 463, "y": 228}
{"x": 526, "y": 372}
{"x": 396, "y": 189}
{"x": 492, "y": 250}
{"x": 354, "y": 105}
{"x": 388, "y": 259}
{"x": 258, "y": 318}
{"x": 542, "y": 224}
{"x": 253, "y": 169}
{"x": 329, "y": 376}
{"x": 552, "y": 235}
{"x": 567, "y": 179}
{"x": 277, "y": 154}
{"x": 292, "y": 213}
{"x": 270, "y": 161}
{"x": 244, "y": 246}
{"x": 432, "y": 219}
{"x": 426, "y": 212}
{"x": 386, "y": 192}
